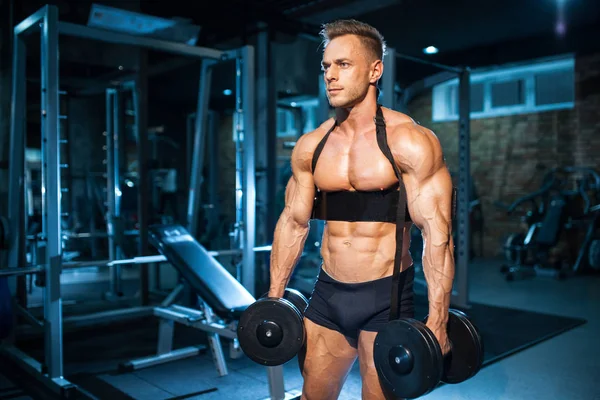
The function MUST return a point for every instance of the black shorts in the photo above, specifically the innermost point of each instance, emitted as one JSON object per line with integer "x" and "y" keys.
{"x": 353, "y": 307}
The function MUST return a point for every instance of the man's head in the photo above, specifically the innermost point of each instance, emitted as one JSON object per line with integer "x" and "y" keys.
{"x": 352, "y": 61}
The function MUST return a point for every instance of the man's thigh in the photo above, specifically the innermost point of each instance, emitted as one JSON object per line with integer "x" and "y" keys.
{"x": 325, "y": 362}
{"x": 371, "y": 387}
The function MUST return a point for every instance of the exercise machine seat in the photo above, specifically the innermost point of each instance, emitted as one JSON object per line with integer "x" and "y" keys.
{"x": 551, "y": 227}
{"x": 207, "y": 277}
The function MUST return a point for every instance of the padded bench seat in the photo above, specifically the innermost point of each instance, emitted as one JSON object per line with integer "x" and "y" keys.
{"x": 206, "y": 276}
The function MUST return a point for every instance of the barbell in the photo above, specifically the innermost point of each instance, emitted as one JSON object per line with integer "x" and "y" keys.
{"x": 111, "y": 263}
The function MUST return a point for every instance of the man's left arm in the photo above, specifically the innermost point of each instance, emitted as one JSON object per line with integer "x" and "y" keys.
{"x": 429, "y": 195}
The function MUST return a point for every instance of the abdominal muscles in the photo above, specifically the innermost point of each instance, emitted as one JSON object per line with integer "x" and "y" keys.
{"x": 362, "y": 251}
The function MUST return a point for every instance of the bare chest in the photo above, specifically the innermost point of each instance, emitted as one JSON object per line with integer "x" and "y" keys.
{"x": 353, "y": 164}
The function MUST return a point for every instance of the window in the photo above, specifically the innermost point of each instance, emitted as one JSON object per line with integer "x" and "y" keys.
{"x": 508, "y": 93}
{"x": 554, "y": 87}
{"x": 477, "y": 100}
{"x": 541, "y": 86}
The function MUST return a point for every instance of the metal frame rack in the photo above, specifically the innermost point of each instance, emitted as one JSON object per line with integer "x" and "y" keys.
{"x": 46, "y": 22}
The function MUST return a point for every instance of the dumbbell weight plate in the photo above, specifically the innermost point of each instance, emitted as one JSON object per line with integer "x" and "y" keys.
{"x": 466, "y": 356}
{"x": 407, "y": 358}
{"x": 271, "y": 330}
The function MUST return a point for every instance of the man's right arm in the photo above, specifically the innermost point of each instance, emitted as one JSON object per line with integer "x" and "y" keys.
{"x": 292, "y": 227}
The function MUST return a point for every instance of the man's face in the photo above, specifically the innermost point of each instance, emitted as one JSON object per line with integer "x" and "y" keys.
{"x": 347, "y": 70}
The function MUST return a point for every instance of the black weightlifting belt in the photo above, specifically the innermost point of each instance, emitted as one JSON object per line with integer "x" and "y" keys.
{"x": 356, "y": 206}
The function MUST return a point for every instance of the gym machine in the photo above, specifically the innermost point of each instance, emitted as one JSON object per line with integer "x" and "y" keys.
{"x": 45, "y": 21}
{"x": 390, "y": 99}
{"x": 567, "y": 201}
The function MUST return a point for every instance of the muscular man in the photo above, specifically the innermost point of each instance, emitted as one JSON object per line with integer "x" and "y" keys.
{"x": 342, "y": 174}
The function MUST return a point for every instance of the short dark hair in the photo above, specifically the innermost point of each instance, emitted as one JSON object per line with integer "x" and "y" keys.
{"x": 369, "y": 36}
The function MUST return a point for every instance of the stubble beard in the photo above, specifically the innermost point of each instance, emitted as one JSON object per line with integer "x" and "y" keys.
{"x": 347, "y": 100}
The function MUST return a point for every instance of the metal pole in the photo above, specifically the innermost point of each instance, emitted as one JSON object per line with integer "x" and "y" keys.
{"x": 245, "y": 87}
{"x": 460, "y": 297}
{"x": 110, "y": 126}
{"x": 195, "y": 193}
{"x": 52, "y": 185}
{"x": 140, "y": 94}
{"x": 238, "y": 235}
{"x": 20, "y": 271}
{"x": 266, "y": 153}
{"x": 213, "y": 170}
{"x": 143, "y": 43}
{"x": 388, "y": 80}
{"x": 276, "y": 383}
{"x": 115, "y": 194}
{"x": 112, "y": 183}
{"x": 91, "y": 195}
{"x": 189, "y": 148}
{"x": 266, "y": 137}
{"x": 16, "y": 187}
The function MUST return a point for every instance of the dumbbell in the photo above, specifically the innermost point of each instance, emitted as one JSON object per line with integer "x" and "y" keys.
{"x": 271, "y": 330}
{"x": 409, "y": 361}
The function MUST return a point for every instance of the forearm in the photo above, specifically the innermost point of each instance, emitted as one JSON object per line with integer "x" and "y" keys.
{"x": 288, "y": 244}
{"x": 438, "y": 266}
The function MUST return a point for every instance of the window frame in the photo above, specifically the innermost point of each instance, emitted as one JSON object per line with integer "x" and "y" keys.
{"x": 443, "y": 110}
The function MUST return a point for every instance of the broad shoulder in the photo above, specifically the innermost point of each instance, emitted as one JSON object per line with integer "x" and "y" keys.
{"x": 306, "y": 145}
{"x": 415, "y": 147}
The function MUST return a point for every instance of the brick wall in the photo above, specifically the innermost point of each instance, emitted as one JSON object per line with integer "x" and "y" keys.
{"x": 506, "y": 151}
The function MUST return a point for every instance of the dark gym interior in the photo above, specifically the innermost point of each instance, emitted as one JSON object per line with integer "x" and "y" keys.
{"x": 145, "y": 150}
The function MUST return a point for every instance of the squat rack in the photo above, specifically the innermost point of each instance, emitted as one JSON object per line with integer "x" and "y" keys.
{"x": 46, "y": 22}
{"x": 460, "y": 291}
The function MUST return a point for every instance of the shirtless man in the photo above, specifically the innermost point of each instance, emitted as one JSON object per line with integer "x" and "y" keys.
{"x": 357, "y": 188}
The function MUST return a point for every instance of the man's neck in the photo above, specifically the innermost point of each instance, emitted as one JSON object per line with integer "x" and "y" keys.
{"x": 357, "y": 118}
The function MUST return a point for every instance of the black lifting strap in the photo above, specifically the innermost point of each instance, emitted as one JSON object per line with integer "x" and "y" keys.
{"x": 320, "y": 146}
{"x": 383, "y": 145}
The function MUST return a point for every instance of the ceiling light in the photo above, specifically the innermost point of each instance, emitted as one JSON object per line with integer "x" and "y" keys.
{"x": 430, "y": 50}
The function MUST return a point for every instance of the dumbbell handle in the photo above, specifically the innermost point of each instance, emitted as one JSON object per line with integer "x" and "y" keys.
{"x": 432, "y": 334}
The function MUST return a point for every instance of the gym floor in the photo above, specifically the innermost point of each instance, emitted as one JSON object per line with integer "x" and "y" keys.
{"x": 562, "y": 367}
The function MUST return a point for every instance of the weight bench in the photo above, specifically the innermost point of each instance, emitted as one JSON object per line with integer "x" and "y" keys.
{"x": 222, "y": 301}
